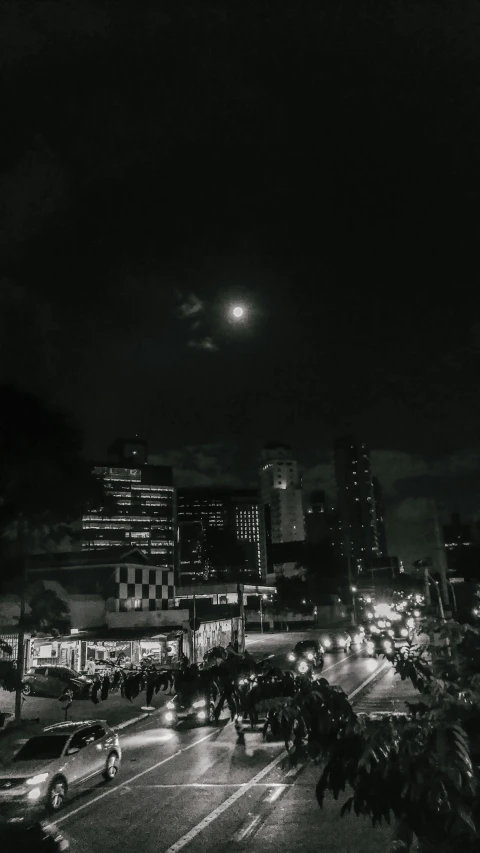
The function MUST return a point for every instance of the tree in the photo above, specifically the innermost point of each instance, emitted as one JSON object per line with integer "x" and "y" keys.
{"x": 48, "y": 612}
{"x": 44, "y": 481}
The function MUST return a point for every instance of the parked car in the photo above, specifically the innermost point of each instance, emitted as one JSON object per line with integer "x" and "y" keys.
{"x": 48, "y": 765}
{"x": 51, "y": 681}
{"x": 307, "y": 655}
{"x": 335, "y": 640}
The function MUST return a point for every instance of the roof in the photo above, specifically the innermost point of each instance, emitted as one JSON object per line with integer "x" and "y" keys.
{"x": 88, "y": 559}
{"x": 71, "y": 726}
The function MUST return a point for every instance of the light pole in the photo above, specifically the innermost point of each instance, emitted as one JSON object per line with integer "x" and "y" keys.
{"x": 353, "y": 590}
{"x": 428, "y": 578}
{"x": 262, "y": 598}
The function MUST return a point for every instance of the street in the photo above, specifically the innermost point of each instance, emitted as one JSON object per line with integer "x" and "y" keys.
{"x": 193, "y": 789}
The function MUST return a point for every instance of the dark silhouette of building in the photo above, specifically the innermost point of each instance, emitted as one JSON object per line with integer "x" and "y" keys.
{"x": 356, "y": 502}
{"x": 141, "y": 505}
{"x": 380, "y": 517}
{"x": 458, "y": 539}
{"x": 220, "y": 530}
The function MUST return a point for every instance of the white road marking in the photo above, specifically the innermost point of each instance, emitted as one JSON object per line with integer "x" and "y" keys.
{"x": 338, "y": 662}
{"x": 134, "y": 778}
{"x": 276, "y": 793}
{"x": 189, "y": 836}
{"x": 215, "y": 785}
{"x": 247, "y": 830}
{"x": 294, "y": 771}
{"x": 368, "y": 680}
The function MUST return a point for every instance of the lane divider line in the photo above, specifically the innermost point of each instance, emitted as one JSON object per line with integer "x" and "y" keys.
{"x": 189, "y": 836}
{"x": 203, "y": 824}
{"x": 248, "y": 830}
{"x": 137, "y": 776}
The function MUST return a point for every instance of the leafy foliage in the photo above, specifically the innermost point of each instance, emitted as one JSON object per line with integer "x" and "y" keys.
{"x": 48, "y": 612}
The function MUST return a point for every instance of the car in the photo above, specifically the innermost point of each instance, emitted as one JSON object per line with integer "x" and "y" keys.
{"x": 379, "y": 644}
{"x": 52, "y": 681}
{"x": 307, "y": 655}
{"x": 357, "y": 635}
{"x": 50, "y": 764}
{"x": 334, "y": 640}
{"x": 197, "y": 708}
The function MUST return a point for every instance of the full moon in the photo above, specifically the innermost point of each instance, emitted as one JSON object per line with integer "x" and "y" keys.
{"x": 238, "y": 311}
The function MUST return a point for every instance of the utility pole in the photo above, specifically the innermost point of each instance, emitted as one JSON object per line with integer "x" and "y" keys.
{"x": 441, "y": 560}
{"x": 194, "y": 628}
{"x": 21, "y": 632}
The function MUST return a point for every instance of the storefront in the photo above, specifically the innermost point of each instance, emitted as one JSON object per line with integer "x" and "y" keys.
{"x": 101, "y": 648}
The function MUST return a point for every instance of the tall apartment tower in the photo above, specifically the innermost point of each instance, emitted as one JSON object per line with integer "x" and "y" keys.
{"x": 281, "y": 496}
{"x": 356, "y": 502}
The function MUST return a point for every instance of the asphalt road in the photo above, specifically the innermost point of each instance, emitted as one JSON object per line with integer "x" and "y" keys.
{"x": 197, "y": 789}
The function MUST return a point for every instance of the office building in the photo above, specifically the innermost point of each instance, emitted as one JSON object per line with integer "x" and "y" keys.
{"x": 281, "y": 496}
{"x": 356, "y": 503}
{"x": 140, "y": 505}
{"x": 220, "y": 531}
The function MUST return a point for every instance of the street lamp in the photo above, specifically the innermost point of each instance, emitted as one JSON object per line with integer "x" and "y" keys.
{"x": 353, "y": 590}
{"x": 262, "y": 599}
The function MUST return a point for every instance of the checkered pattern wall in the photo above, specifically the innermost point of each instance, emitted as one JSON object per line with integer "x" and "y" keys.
{"x": 154, "y": 587}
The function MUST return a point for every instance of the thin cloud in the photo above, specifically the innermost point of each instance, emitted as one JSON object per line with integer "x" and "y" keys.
{"x": 189, "y": 305}
{"x": 203, "y": 343}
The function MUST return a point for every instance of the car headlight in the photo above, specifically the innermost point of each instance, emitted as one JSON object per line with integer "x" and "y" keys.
{"x": 171, "y": 705}
{"x": 310, "y": 656}
{"x": 201, "y": 715}
{"x": 169, "y": 716}
{"x": 327, "y": 642}
{"x": 291, "y": 656}
{"x": 404, "y": 632}
{"x": 34, "y": 794}
{"x": 38, "y": 779}
{"x": 200, "y": 703}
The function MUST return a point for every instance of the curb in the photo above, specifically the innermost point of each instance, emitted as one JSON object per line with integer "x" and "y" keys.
{"x": 132, "y": 722}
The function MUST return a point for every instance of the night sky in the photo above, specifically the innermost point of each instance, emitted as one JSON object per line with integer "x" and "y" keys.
{"x": 315, "y": 162}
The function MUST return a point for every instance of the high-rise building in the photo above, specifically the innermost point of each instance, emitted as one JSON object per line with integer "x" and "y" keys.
{"x": 380, "y": 517}
{"x": 281, "y": 495}
{"x": 316, "y": 524}
{"x": 141, "y": 504}
{"x": 236, "y": 512}
{"x": 458, "y": 539}
{"x": 356, "y": 502}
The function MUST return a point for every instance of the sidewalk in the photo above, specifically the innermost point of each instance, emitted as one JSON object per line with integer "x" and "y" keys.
{"x": 388, "y": 694}
{"x": 38, "y": 713}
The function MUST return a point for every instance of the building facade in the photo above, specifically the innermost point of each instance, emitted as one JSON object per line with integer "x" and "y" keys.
{"x": 380, "y": 517}
{"x": 220, "y": 526}
{"x": 141, "y": 505}
{"x": 356, "y": 503}
{"x": 459, "y": 543}
{"x": 282, "y": 501}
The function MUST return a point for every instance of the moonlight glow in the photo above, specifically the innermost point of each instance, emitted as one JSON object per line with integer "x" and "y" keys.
{"x": 238, "y": 311}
